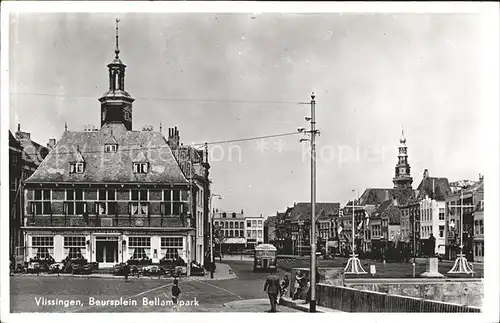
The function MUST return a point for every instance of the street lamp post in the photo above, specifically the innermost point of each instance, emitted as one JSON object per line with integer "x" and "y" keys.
{"x": 212, "y": 233}
{"x": 461, "y": 265}
{"x": 353, "y": 264}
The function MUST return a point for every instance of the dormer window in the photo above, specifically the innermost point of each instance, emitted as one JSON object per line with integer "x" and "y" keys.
{"x": 76, "y": 168}
{"x": 110, "y": 148}
{"x": 140, "y": 168}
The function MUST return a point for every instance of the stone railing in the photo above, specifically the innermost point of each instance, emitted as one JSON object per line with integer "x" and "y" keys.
{"x": 392, "y": 295}
{"x": 347, "y": 299}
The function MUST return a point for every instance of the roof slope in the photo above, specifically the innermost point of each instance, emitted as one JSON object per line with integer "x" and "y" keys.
{"x": 33, "y": 152}
{"x": 375, "y": 196}
{"x": 436, "y": 188}
{"x": 302, "y": 211}
{"x": 13, "y": 142}
{"x": 112, "y": 167}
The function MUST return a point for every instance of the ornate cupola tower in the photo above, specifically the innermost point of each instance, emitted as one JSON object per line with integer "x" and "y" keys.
{"x": 402, "y": 179}
{"x": 116, "y": 104}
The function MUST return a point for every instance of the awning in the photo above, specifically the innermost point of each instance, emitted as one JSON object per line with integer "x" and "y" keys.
{"x": 235, "y": 241}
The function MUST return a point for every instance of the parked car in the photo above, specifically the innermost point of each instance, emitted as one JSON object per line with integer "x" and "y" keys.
{"x": 33, "y": 267}
{"x": 153, "y": 270}
{"x": 119, "y": 269}
{"x": 83, "y": 269}
{"x": 55, "y": 268}
{"x": 197, "y": 269}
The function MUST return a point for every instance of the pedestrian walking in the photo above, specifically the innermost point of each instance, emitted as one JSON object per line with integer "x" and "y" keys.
{"x": 272, "y": 287}
{"x": 284, "y": 287}
{"x": 176, "y": 291}
{"x": 299, "y": 282}
{"x": 126, "y": 271}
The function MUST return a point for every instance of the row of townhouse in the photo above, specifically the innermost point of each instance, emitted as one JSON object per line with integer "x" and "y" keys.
{"x": 115, "y": 193}
{"x": 399, "y": 219}
{"x": 239, "y": 231}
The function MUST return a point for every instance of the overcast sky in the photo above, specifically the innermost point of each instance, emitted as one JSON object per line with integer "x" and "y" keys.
{"x": 372, "y": 74}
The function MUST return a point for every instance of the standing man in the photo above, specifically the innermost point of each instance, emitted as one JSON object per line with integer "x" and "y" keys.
{"x": 126, "y": 271}
{"x": 272, "y": 287}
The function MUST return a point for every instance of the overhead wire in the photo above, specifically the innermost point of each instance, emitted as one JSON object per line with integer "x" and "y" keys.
{"x": 166, "y": 99}
{"x": 77, "y": 148}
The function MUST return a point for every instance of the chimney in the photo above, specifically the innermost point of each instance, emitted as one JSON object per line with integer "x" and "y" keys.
{"x": 51, "y": 144}
{"x": 241, "y": 211}
{"x": 22, "y": 135}
{"x": 173, "y": 138}
{"x": 426, "y": 173}
{"x": 481, "y": 177}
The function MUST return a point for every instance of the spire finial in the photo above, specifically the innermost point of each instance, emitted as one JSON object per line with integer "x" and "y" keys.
{"x": 65, "y": 126}
{"x": 117, "y": 49}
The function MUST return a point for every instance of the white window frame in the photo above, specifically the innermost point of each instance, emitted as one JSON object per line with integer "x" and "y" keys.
{"x": 170, "y": 201}
{"x": 74, "y": 244}
{"x": 110, "y": 148}
{"x": 141, "y": 168}
{"x": 140, "y": 244}
{"x": 74, "y": 202}
{"x": 43, "y": 242}
{"x": 170, "y": 250}
{"x": 76, "y": 168}
{"x": 45, "y": 204}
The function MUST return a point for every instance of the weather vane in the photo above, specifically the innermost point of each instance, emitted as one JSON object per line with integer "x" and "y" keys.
{"x": 117, "y": 49}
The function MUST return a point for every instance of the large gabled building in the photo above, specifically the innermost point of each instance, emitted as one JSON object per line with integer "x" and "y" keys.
{"x": 114, "y": 193}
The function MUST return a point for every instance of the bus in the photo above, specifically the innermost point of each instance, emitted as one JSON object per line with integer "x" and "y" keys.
{"x": 264, "y": 258}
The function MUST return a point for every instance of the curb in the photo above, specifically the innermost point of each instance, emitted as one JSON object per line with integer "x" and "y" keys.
{"x": 132, "y": 278}
{"x": 301, "y": 306}
{"x": 246, "y": 302}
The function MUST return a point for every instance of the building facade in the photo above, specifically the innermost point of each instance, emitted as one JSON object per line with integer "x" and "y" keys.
{"x": 232, "y": 226}
{"x": 478, "y": 240}
{"x": 462, "y": 205}
{"x": 300, "y": 223}
{"x": 24, "y": 157}
{"x": 195, "y": 165}
{"x": 111, "y": 194}
{"x": 254, "y": 230}
{"x": 432, "y": 193}
{"x": 270, "y": 229}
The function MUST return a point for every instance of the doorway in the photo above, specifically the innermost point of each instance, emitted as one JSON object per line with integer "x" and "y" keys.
{"x": 107, "y": 252}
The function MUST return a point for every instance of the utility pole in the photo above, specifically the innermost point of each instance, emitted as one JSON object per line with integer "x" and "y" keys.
{"x": 211, "y": 213}
{"x": 313, "y": 132}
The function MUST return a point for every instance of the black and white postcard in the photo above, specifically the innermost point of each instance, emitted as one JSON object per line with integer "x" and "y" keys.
{"x": 246, "y": 157}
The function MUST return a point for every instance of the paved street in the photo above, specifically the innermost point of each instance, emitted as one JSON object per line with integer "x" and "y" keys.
{"x": 243, "y": 294}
